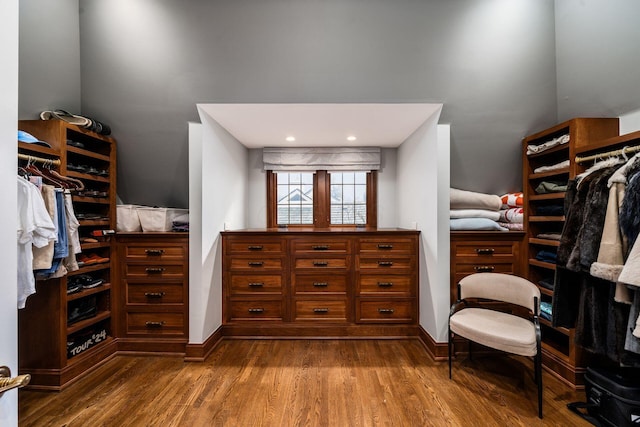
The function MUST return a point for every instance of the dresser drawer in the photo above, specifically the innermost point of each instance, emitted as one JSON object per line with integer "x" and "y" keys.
{"x": 154, "y": 253}
{"x": 386, "y": 311}
{"x": 255, "y": 284}
{"x": 320, "y": 246}
{"x": 386, "y": 264}
{"x": 154, "y": 293}
{"x": 255, "y": 264}
{"x": 153, "y": 271}
{"x": 321, "y": 310}
{"x": 256, "y": 310}
{"x": 385, "y": 246}
{"x": 254, "y": 246}
{"x": 489, "y": 267}
{"x": 152, "y": 323}
{"x": 386, "y": 284}
{"x": 319, "y": 283}
{"x": 485, "y": 249}
{"x": 321, "y": 263}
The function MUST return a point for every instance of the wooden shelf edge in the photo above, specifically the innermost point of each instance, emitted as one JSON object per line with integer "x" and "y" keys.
{"x": 546, "y": 219}
{"x": 544, "y": 242}
{"x": 555, "y": 172}
{"x": 102, "y": 315}
{"x": 542, "y": 264}
{"x": 85, "y": 293}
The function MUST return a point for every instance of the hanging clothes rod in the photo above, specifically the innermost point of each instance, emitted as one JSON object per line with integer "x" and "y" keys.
{"x": 54, "y": 162}
{"x": 625, "y": 150}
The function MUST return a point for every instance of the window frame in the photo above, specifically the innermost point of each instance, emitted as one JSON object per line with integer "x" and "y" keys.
{"x": 322, "y": 202}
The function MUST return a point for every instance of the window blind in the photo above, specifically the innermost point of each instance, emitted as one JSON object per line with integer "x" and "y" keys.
{"x": 321, "y": 158}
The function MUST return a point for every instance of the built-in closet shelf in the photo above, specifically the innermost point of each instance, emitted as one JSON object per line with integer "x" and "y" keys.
{"x": 96, "y": 200}
{"x": 85, "y": 293}
{"x": 83, "y": 324}
{"x": 89, "y": 269}
{"x": 87, "y": 153}
{"x": 543, "y": 242}
{"x": 550, "y": 196}
{"x": 560, "y": 353}
{"x": 39, "y": 149}
{"x": 542, "y": 175}
{"x": 87, "y": 176}
{"x": 87, "y": 246}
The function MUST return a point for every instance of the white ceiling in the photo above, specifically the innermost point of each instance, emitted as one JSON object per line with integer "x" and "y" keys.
{"x": 320, "y": 125}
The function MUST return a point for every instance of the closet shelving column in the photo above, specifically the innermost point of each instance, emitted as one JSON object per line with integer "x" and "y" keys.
{"x": 46, "y": 324}
{"x": 560, "y": 354}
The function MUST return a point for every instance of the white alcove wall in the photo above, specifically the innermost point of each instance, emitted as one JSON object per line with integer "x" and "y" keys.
{"x": 227, "y": 190}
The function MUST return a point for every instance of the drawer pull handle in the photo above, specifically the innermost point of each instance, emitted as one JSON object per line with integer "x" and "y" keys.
{"x": 256, "y": 284}
{"x": 385, "y": 263}
{"x": 385, "y": 284}
{"x": 154, "y": 324}
{"x": 320, "y": 247}
{"x": 385, "y": 310}
{"x": 154, "y": 252}
{"x": 256, "y": 310}
{"x": 320, "y": 310}
{"x": 484, "y": 268}
{"x": 255, "y": 247}
{"x": 320, "y": 263}
{"x": 320, "y": 284}
{"x": 385, "y": 246}
{"x": 485, "y": 251}
{"x": 154, "y": 294}
{"x": 256, "y": 263}
{"x": 154, "y": 270}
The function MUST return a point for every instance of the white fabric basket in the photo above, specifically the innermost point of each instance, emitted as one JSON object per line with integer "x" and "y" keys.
{"x": 158, "y": 219}
{"x": 127, "y": 218}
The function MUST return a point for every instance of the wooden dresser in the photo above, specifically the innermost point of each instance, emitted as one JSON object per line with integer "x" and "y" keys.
{"x": 153, "y": 284}
{"x": 485, "y": 251}
{"x": 333, "y": 282}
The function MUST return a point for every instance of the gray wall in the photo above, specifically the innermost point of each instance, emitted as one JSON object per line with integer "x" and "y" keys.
{"x": 598, "y": 57}
{"x": 49, "y": 63}
{"x": 145, "y": 64}
{"x": 492, "y": 63}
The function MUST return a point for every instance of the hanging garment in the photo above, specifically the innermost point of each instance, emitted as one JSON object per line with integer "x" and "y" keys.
{"x": 613, "y": 245}
{"x": 43, "y": 256}
{"x": 35, "y": 229}
{"x": 61, "y": 245}
{"x": 629, "y": 211}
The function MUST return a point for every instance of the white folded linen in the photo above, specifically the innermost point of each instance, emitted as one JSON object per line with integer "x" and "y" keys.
{"x": 462, "y": 199}
{"x": 474, "y": 213}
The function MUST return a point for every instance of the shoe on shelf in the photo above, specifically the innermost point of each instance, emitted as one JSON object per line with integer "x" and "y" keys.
{"x": 73, "y": 286}
{"x": 85, "y": 260}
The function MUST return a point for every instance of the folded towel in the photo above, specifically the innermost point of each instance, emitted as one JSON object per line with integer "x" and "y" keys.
{"x": 512, "y": 226}
{"x": 512, "y": 200}
{"x": 462, "y": 199}
{"x": 533, "y": 149}
{"x": 563, "y": 164}
{"x": 474, "y": 213}
{"x": 551, "y": 187}
{"x": 550, "y": 210}
{"x": 460, "y": 224}
{"x": 515, "y": 215}
{"x": 550, "y": 236}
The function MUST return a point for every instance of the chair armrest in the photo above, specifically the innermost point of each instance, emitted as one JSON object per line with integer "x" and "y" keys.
{"x": 456, "y": 306}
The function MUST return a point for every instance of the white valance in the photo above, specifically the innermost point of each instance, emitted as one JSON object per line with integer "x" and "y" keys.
{"x": 321, "y": 158}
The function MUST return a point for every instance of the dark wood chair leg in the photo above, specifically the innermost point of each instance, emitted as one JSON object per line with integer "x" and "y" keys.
{"x": 539, "y": 382}
{"x": 449, "y": 345}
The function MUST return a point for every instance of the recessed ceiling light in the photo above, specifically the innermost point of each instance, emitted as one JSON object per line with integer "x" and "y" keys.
{"x": 351, "y": 138}
{"x": 290, "y": 138}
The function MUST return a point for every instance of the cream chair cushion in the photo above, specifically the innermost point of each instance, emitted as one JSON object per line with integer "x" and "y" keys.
{"x": 495, "y": 329}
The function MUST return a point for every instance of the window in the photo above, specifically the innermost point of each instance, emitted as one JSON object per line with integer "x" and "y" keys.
{"x": 321, "y": 199}
{"x": 348, "y": 198}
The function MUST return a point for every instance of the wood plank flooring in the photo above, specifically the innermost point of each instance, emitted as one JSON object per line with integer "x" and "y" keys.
{"x": 305, "y": 383}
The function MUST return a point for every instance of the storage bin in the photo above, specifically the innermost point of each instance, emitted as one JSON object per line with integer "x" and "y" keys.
{"x": 158, "y": 219}
{"x": 127, "y": 218}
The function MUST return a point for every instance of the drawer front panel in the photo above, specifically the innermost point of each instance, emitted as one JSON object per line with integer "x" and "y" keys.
{"x": 155, "y": 254}
{"x": 322, "y": 263}
{"x": 319, "y": 283}
{"x": 321, "y": 310}
{"x": 485, "y": 268}
{"x": 154, "y": 271}
{"x": 387, "y": 246}
{"x": 389, "y": 311}
{"x": 255, "y": 246}
{"x": 256, "y": 310}
{"x": 255, "y": 284}
{"x": 386, "y": 284}
{"x": 255, "y": 264}
{"x": 155, "y": 323}
{"x": 155, "y": 293}
{"x": 485, "y": 249}
{"x": 320, "y": 246}
{"x": 386, "y": 264}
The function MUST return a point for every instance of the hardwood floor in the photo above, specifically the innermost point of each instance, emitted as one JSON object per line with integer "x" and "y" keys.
{"x": 305, "y": 383}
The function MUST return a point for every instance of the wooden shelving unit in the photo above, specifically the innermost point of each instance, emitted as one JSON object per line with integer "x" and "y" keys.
{"x": 560, "y": 354}
{"x": 46, "y": 333}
